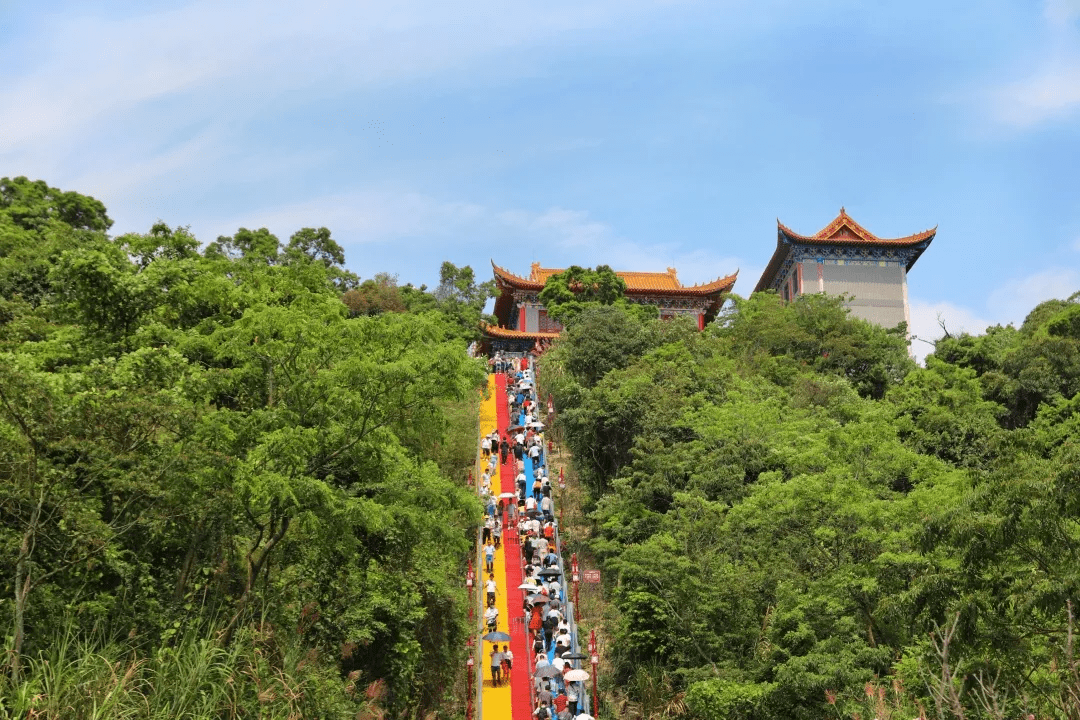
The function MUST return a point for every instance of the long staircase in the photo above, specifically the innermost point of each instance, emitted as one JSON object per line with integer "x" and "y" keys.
{"x": 515, "y": 697}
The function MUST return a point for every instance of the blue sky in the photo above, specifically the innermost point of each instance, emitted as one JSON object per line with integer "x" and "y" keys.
{"x": 640, "y": 133}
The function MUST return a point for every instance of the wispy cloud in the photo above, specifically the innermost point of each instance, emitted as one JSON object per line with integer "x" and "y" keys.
{"x": 1051, "y": 93}
{"x": 565, "y": 229}
{"x": 231, "y": 58}
{"x": 1052, "y": 90}
{"x": 362, "y": 217}
{"x": 1010, "y": 302}
{"x": 1061, "y": 12}
{"x": 470, "y": 233}
{"x": 927, "y": 319}
{"x": 1013, "y": 299}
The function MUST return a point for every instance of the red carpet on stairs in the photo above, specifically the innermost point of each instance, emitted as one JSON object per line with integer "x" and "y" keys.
{"x": 521, "y": 705}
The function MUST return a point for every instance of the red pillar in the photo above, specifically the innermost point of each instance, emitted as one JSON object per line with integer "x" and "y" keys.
{"x": 595, "y": 658}
{"x": 701, "y": 321}
{"x": 521, "y": 318}
{"x": 470, "y": 664}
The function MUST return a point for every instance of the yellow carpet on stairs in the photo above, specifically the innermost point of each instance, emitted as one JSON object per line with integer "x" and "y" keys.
{"x": 496, "y": 700}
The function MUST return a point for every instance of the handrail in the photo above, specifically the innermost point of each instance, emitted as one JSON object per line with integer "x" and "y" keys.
{"x": 583, "y": 700}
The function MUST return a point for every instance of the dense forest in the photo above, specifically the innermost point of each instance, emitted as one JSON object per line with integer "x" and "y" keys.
{"x": 232, "y": 475}
{"x": 795, "y": 521}
{"x": 233, "y": 485}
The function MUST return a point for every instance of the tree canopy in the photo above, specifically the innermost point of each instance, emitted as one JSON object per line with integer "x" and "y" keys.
{"x": 567, "y": 294}
{"x": 209, "y": 459}
{"x": 794, "y": 519}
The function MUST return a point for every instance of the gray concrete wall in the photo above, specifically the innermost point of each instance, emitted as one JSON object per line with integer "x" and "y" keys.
{"x": 810, "y": 282}
{"x": 878, "y": 291}
{"x": 532, "y": 318}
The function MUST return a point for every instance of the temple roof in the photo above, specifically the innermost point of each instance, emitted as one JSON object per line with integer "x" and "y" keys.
{"x": 843, "y": 230}
{"x": 665, "y": 283}
{"x": 498, "y": 332}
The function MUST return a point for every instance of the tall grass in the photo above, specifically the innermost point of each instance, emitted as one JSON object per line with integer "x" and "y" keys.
{"x": 194, "y": 678}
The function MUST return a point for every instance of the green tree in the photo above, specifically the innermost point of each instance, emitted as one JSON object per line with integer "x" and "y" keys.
{"x": 566, "y": 294}
{"x": 37, "y": 223}
{"x": 212, "y": 446}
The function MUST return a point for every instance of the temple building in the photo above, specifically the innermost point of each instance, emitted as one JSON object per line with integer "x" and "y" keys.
{"x": 523, "y": 321}
{"x": 845, "y": 258}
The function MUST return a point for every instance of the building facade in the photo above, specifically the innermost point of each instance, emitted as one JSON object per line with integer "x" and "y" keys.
{"x": 522, "y": 320}
{"x": 844, "y": 258}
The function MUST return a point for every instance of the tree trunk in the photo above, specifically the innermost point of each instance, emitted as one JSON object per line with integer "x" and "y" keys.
{"x": 185, "y": 568}
{"x": 23, "y": 582}
{"x": 255, "y": 564}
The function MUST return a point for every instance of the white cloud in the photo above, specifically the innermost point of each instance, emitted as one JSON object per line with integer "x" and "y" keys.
{"x": 360, "y": 217}
{"x": 471, "y": 233}
{"x": 1052, "y": 90}
{"x": 1061, "y": 12}
{"x": 927, "y": 318}
{"x": 1012, "y": 300}
{"x": 233, "y": 57}
{"x": 1051, "y": 93}
{"x": 567, "y": 229}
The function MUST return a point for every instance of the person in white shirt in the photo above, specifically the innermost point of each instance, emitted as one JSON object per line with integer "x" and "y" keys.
{"x": 508, "y": 662}
{"x": 491, "y": 588}
{"x": 485, "y": 446}
{"x": 491, "y": 618}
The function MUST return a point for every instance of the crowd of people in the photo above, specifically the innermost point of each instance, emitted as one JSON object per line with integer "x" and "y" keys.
{"x": 529, "y": 510}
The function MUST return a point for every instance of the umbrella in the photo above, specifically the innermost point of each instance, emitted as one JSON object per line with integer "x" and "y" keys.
{"x": 575, "y": 656}
{"x": 497, "y": 637}
{"x": 546, "y": 671}
{"x": 526, "y": 586}
{"x": 507, "y": 495}
{"x": 536, "y": 424}
{"x": 550, "y": 572}
{"x": 538, "y": 599}
{"x": 576, "y": 675}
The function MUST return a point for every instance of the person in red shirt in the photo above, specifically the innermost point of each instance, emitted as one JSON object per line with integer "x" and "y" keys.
{"x": 560, "y": 702}
{"x": 536, "y": 622}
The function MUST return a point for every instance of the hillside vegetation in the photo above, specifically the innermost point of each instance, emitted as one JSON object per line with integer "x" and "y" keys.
{"x": 223, "y": 491}
{"x": 233, "y": 485}
{"x": 795, "y": 521}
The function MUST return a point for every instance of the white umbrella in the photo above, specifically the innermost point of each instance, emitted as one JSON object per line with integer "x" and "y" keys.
{"x": 537, "y": 425}
{"x": 576, "y": 676}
